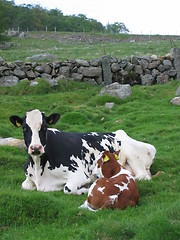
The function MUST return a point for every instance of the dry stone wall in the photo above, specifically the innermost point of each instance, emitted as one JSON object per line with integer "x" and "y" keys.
{"x": 145, "y": 70}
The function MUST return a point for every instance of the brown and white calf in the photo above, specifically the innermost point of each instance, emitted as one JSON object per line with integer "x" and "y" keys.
{"x": 115, "y": 189}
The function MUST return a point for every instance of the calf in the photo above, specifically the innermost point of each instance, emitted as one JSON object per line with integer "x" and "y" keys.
{"x": 115, "y": 189}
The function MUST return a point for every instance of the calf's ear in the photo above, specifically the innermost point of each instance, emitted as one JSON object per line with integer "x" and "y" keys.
{"x": 17, "y": 121}
{"x": 53, "y": 118}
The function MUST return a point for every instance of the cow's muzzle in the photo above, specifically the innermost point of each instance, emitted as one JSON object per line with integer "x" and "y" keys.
{"x": 36, "y": 150}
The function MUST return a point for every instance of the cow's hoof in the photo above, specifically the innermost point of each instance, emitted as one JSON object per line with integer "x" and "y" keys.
{"x": 28, "y": 185}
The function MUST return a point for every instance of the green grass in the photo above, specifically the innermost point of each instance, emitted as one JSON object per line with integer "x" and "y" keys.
{"x": 116, "y": 46}
{"x": 147, "y": 115}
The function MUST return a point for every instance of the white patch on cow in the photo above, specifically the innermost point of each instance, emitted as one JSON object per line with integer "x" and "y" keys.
{"x": 100, "y": 189}
{"x": 113, "y": 198}
{"x": 93, "y": 134}
{"x": 91, "y": 188}
{"x": 125, "y": 185}
{"x": 34, "y": 121}
{"x": 54, "y": 130}
{"x": 137, "y": 154}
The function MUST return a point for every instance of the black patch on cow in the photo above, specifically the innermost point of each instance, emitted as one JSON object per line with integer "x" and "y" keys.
{"x": 86, "y": 175}
{"x": 67, "y": 189}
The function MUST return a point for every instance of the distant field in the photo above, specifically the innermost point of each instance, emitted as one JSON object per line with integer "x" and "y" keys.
{"x": 146, "y": 115}
{"x": 88, "y": 46}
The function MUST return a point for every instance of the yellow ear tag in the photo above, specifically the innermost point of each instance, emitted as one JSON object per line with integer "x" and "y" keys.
{"x": 106, "y": 159}
{"x": 18, "y": 124}
{"x": 51, "y": 121}
{"x": 116, "y": 157}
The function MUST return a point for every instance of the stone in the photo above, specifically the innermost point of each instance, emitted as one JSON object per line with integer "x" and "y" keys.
{"x": 176, "y": 54}
{"x": 65, "y": 71}
{"x": 155, "y": 73}
{"x": 167, "y": 64}
{"x": 129, "y": 67}
{"x": 96, "y": 62}
{"x": 90, "y": 71}
{"x": 91, "y": 81}
{"x": 134, "y": 60}
{"x": 39, "y": 69}
{"x": 106, "y": 70}
{"x": 9, "y": 81}
{"x": 144, "y": 64}
{"x": 19, "y": 73}
{"x": 83, "y": 63}
{"x": 117, "y": 90}
{"x": 46, "y": 76}
{"x": 147, "y": 79}
{"x": 172, "y": 73}
{"x": 22, "y": 35}
{"x": 12, "y": 33}
{"x": 162, "y": 78}
{"x": 115, "y": 67}
{"x": 47, "y": 69}
{"x": 178, "y": 91}
{"x": 154, "y": 64}
{"x": 77, "y": 76}
{"x": 109, "y": 105}
{"x": 175, "y": 101}
{"x": 33, "y": 83}
{"x": 138, "y": 69}
{"x": 30, "y": 75}
{"x": 42, "y": 57}
{"x": 1, "y": 60}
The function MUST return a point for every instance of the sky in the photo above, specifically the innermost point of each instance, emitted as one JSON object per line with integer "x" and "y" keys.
{"x": 139, "y": 16}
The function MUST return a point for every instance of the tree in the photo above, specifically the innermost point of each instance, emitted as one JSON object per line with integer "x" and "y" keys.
{"x": 117, "y": 28}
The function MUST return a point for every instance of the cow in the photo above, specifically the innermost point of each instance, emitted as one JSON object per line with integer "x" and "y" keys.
{"x": 63, "y": 160}
{"x": 116, "y": 187}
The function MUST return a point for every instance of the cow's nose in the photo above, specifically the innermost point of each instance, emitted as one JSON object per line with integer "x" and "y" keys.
{"x": 36, "y": 149}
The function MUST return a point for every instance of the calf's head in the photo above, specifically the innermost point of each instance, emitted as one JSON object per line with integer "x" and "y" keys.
{"x": 107, "y": 166}
{"x": 34, "y": 125}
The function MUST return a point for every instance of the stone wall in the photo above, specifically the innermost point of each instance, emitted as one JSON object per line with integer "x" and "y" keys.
{"x": 145, "y": 70}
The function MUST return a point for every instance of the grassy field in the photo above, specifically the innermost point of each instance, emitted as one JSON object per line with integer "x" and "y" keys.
{"x": 88, "y": 46}
{"x": 146, "y": 115}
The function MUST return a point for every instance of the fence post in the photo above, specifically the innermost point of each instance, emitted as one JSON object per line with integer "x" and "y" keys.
{"x": 106, "y": 70}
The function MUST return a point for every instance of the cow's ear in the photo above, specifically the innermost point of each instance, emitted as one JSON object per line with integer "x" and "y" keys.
{"x": 53, "y": 118}
{"x": 17, "y": 121}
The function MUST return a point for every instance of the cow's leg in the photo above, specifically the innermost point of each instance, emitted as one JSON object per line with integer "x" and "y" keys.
{"x": 75, "y": 182}
{"x": 28, "y": 184}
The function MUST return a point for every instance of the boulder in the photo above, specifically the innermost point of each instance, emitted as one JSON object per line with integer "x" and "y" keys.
{"x": 117, "y": 90}
{"x": 147, "y": 79}
{"x": 178, "y": 91}
{"x": 175, "y": 101}
{"x": 19, "y": 73}
{"x": 9, "y": 81}
{"x": 109, "y": 105}
{"x": 163, "y": 78}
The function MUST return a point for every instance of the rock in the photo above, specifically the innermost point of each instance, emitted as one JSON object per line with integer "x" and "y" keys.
{"x": 65, "y": 71}
{"x": 144, "y": 64}
{"x": 163, "y": 78}
{"x": 90, "y": 71}
{"x": 46, "y": 76}
{"x": 47, "y": 69}
{"x": 12, "y": 142}
{"x": 176, "y": 54}
{"x": 8, "y": 81}
{"x": 91, "y": 81}
{"x": 172, "y": 73}
{"x": 115, "y": 67}
{"x": 175, "y": 101}
{"x": 109, "y": 105}
{"x": 167, "y": 64}
{"x": 138, "y": 69}
{"x": 147, "y": 79}
{"x": 30, "y": 75}
{"x": 1, "y": 60}
{"x": 77, "y": 76}
{"x": 33, "y": 83}
{"x": 42, "y": 57}
{"x": 22, "y": 35}
{"x": 83, "y": 63}
{"x": 19, "y": 73}
{"x": 154, "y": 64}
{"x": 12, "y": 33}
{"x": 129, "y": 67}
{"x": 117, "y": 90}
{"x": 96, "y": 62}
{"x": 178, "y": 91}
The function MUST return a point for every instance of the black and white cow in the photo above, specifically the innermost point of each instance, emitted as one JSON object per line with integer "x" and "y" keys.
{"x": 59, "y": 160}
{"x": 63, "y": 160}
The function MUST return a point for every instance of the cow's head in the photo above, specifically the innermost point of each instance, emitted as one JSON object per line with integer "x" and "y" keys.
{"x": 34, "y": 125}
{"x": 107, "y": 165}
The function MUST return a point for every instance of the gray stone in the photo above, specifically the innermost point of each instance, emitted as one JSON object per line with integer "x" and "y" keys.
{"x": 22, "y": 35}
{"x": 65, "y": 71}
{"x": 106, "y": 70}
{"x": 47, "y": 69}
{"x": 96, "y": 62}
{"x": 53, "y": 82}
{"x": 9, "y": 81}
{"x": 147, "y": 79}
{"x": 91, "y": 81}
{"x": 117, "y": 90}
{"x": 30, "y": 75}
{"x": 144, "y": 64}
{"x": 77, "y": 76}
{"x": 46, "y": 76}
{"x": 42, "y": 57}
{"x": 138, "y": 69}
{"x": 163, "y": 78}
{"x": 176, "y": 55}
{"x": 129, "y": 67}
{"x": 13, "y": 33}
{"x": 134, "y": 60}
{"x": 90, "y": 71}
{"x": 115, "y": 67}
{"x": 178, "y": 91}
{"x": 109, "y": 105}
{"x": 83, "y": 63}
{"x": 19, "y": 73}
{"x": 176, "y": 101}
{"x": 39, "y": 69}
{"x": 172, "y": 73}
{"x": 167, "y": 64}
{"x": 33, "y": 83}
{"x": 154, "y": 64}
{"x": 1, "y": 60}
{"x": 155, "y": 73}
